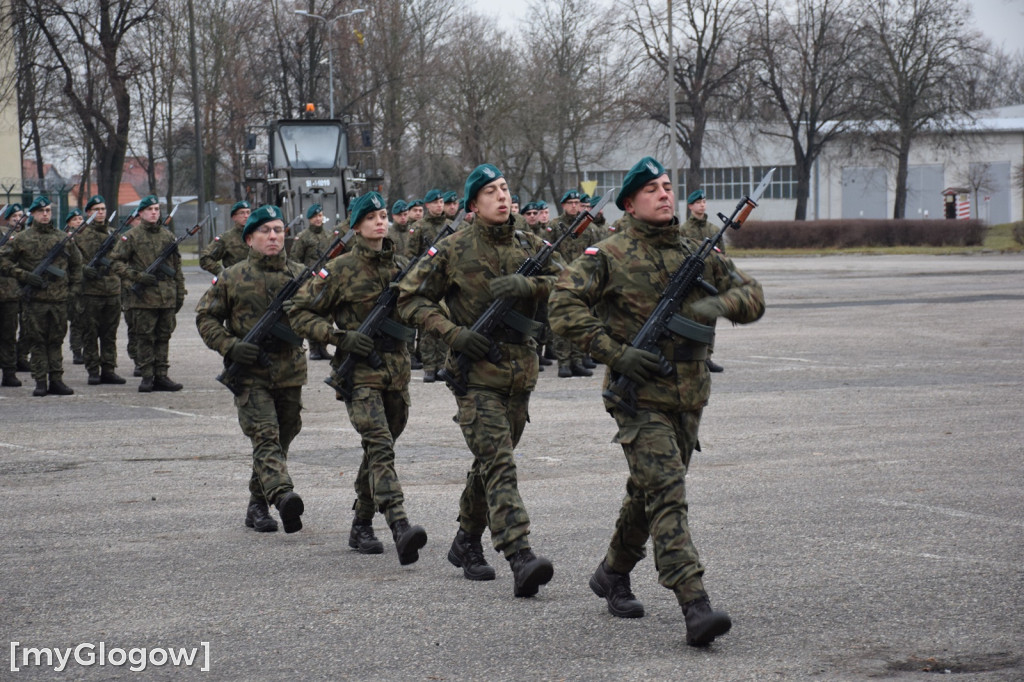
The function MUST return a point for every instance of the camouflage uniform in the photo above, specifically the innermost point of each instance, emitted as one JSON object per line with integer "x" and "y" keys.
{"x": 494, "y": 412}
{"x": 567, "y": 353}
{"x": 422, "y": 234}
{"x": 153, "y": 309}
{"x": 99, "y": 305}
{"x": 270, "y": 404}
{"x": 379, "y": 408}
{"x": 45, "y": 315}
{"x": 10, "y": 304}
{"x": 224, "y": 251}
{"x": 307, "y": 248}
{"x": 399, "y": 236}
{"x": 698, "y": 229}
{"x": 620, "y": 280}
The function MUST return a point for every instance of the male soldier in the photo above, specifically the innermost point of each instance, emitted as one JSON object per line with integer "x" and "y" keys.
{"x": 601, "y": 301}
{"x": 100, "y": 300}
{"x": 399, "y": 232}
{"x": 532, "y": 215}
{"x": 543, "y": 214}
{"x": 306, "y": 249}
{"x": 227, "y": 248}
{"x": 154, "y": 301}
{"x": 378, "y": 406}
{"x": 515, "y": 204}
{"x": 72, "y": 223}
{"x": 445, "y": 293}
{"x": 451, "y": 205}
{"x": 270, "y": 402}
{"x": 132, "y": 343}
{"x": 422, "y": 234}
{"x": 415, "y": 212}
{"x": 44, "y": 297}
{"x": 570, "y": 358}
{"x": 10, "y": 305}
{"x": 696, "y": 227}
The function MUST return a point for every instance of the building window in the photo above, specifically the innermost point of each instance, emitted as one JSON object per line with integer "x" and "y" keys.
{"x": 606, "y": 180}
{"x": 783, "y": 184}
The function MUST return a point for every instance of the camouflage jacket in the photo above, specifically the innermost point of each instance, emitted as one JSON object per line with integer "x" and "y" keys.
{"x": 399, "y": 235}
{"x": 89, "y": 242}
{"x": 138, "y": 248}
{"x": 311, "y": 244}
{"x": 28, "y": 248}
{"x": 571, "y": 249}
{"x": 698, "y": 229}
{"x": 225, "y": 250}
{"x": 236, "y": 301}
{"x": 603, "y": 299}
{"x": 346, "y": 295}
{"x": 423, "y": 234}
{"x": 455, "y": 278}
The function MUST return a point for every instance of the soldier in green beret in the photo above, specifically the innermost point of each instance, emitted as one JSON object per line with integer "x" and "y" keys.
{"x": 399, "y": 231}
{"x": 421, "y": 235}
{"x": 154, "y": 301}
{"x": 227, "y": 248}
{"x": 100, "y": 300}
{"x": 444, "y": 294}
{"x": 696, "y": 227}
{"x": 73, "y": 220}
{"x": 10, "y": 305}
{"x": 515, "y": 204}
{"x": 44, "y": 311}
{"x": 128, "y": 312}
{"x": 570, "y": 358}
{"x": 306, "y": 249}
{"x": 270, "y": 403}
{"x": 330, "y": 309}
{"x": 415, "y": 211}
{"x": 601, "y": 301}
{"x": 451, "y": 205}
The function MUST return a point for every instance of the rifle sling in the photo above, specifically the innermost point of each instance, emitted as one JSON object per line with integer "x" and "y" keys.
{"x": 688, "y": 329}
{"x": 397, "y": 331}
{"x": 518, "y": 322}
{"x": 283, "y": 332}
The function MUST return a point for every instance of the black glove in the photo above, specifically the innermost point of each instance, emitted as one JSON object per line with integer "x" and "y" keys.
{"x": 146, "y": 279}
{"x": 33, "y": 280}
{"x": 512, "y": 286}
{"x": 178, "y": 303}
{"x": 471, "y": 344}
{"x": 709, "y": 308}
{"x": 244, "y": 353}
{"x": 90, "y": 272}
{"x": 636, "y": 365}
{"x": 354, "y": 342}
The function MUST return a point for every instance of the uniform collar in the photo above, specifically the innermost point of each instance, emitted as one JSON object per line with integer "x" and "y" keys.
{"x": 501, "y": 232}
{"x": 659, "y": 236}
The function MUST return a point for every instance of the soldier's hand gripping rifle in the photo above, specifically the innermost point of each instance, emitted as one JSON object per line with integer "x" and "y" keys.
{"x": 270, "y": 325}
{"x": 500, "y": 312}
{"x": 378, "y": 322}
{"x": 621, "y": 392}
{"x": 159, "y": 267}
{"x": 46, "y": 266}
{"x": 99, "y": 259}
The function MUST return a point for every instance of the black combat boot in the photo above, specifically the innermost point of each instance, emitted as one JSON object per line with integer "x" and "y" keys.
{"x": 94, "y": 379}
{"x": 588, "y": 362}
{"x": 408, "y": 541}
{"x": 704, "y": 624}
{"x": 614, "y": 587}
{"x": 713, "y": 366}
{"x": 146, "y": 385}
{"x": 77, "y": 358}
{"x": 58, "y": 387}
{"x": 164, "y": 383}
{"x": 137, "y": 372}
{"x": 429, "y": 376}
{"x": 108, "y": 376}
{"x": 40, "y": 390}
{"x": 564, "y": 371}
{"x": 414, "y": 362}
{"x": 10, "y": 379}
{"x": 289, "y": 506}
{"x": 579, "y": 370}
{"x": 362, "y": 539}
{"x": 530, "y": 571}
{"x": 541, "y": 359}
{"x": 257, "y": 517}
{"x": 468, "y": 553}
{"x": 23, "y": 365}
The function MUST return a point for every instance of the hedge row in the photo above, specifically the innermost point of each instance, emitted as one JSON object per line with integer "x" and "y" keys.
{"x": 838, "y": 234}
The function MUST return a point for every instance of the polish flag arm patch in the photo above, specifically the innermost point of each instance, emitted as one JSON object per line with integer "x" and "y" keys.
{"x": 592, "y": 251}
{"x": 323, "y": 273}
{"x": 432, "y": 251}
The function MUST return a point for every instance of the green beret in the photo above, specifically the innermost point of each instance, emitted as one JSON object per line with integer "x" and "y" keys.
{"x": 71, "y": 214}
{"x": 483, "y": 174}
{"x": 41, "y": 201}
{"x": 569, "y": 196}
{"x": 313, "y": 210}
{"x": 147, "y": 201}
{"x": 263, "y": 214}
{"x": 399, "y": 207}
{"x": 695, "y": 195}
{"x": 645, "y": 170}
{"x": 239, "y": 206}
{"x": 462, "y": 204}
{"x": 363, "y": 206}
{"x": 96, "y": 199}
{"x": 527, "y": 207}
{"x": 584, "y": 198}
{"x": 11, "y": 210}
{"x": 541, "y": 205}
{"x": 415, "y": 202}
{"x": 432, "y": 195}
{"x": 515, "y": 198}
{"x": 450, "y": 197}
{"x": 595, "y": 200}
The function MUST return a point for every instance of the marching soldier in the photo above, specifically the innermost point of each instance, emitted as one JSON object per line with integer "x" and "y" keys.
{"x": 99, "y": 301}
{"x": 422, "y": 234}
{"x": 153, "y": 301}
{"x": 570, "y": 358}
{"x": 451, "y": 205}
{"x": 399, "y": 232}
{"x": 696, "y": 227}
{"x": 45, "y": 297}
{"x": 306, "y": 249}
{"x": 444, "y": 294}
{"x": 601, "y": 301}
{"x": 227, "y": 248}
{"x": 330, "y": 310}
{"x": 71, "y": 223}
{"x": 270, "y": 402}
{"x": 10, "y": 305}
{"x": 415, "y": 212}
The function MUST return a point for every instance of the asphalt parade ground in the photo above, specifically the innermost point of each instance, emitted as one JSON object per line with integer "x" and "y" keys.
{"x": 858, "y": 505}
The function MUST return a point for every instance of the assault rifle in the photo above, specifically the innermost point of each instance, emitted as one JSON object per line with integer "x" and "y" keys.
{"x": 159, "y": 267}
{"x": 621, "y": 392}
{"x": 46, "y": 266}
{"x": 500, "y": 311}
{"x": 378, "y": 322}
{"x": 270, "y": 325}
{"x": 7, "y": 237}
{"x": 99, "y": 259}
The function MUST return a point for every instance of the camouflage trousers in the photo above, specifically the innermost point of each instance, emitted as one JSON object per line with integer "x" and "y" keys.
{"x": 99, "y": 317}
{"x": 379, "y": 417}
{"x": 153, "y": 329}
{"x": 567, "y": 352}
{"x": 432, "y": 351}
{"x": 9, "y": 334}
{"x": 492, "y": 424}
{"x": 45, "y": 325}
{"x": 658, "y": 447}
{"x": 271, "y": 418}
{"x": 74, "y": 324}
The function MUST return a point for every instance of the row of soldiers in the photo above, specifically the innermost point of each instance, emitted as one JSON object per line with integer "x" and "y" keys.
{"x": 598, "y": 302}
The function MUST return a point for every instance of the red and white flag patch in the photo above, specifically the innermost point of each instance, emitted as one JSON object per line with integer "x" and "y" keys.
{"x": 323, "y": 273}
{"x": 432, "y": 251}
{"x": 592, "y": 251}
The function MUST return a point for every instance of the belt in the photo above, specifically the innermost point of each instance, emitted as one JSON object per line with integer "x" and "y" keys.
{"x": 684, "y": 352}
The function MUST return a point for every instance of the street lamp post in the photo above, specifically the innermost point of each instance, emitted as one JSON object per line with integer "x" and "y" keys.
{"x": 330, "y": 47}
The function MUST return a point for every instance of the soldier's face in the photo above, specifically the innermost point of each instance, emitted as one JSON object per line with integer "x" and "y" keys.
{"x": 240, "y": 216}
{"x": 100, "y": 211}
{"x": 150, "y": 214}
{"x": 42, "y": 215}
{"x": 415, "y": 213}
{"x": 436, "y": 207}
{"x": 374, "y": 226}
{"x": 699, "y": 208}
{"x": 514, "y": 208}
{"x": 654, "y": 203}
{"x": 317, "y": 219}
{"x": 544, "y": 215}
{"x": 571, "y": 208}
{"x": 401, "y": 218}
{"x": 531, "y": 217}
{"x": 493, "y": 201}
{"x": 268, "y": 238}
{"x": 15, "y": 217}
{"x": 451, "y": 208}
{"x": 74, "y": 222}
